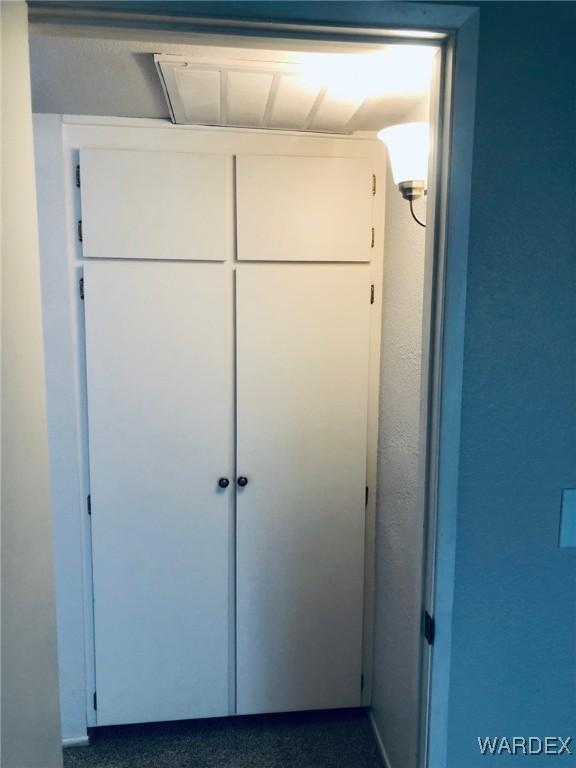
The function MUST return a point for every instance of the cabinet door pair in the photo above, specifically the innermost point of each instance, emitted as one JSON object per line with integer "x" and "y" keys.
{"x": 161, "y": 372}
{"x": 211, "y": 601}
{"x": 178, "y": 205}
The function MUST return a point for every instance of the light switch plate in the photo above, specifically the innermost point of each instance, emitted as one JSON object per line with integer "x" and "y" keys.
{"x": 568, "y": 518}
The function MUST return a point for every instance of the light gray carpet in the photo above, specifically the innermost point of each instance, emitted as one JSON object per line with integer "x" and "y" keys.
{"x": 331, "y": 739}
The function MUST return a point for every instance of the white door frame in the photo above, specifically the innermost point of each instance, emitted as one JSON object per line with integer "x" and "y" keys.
{"x": 455, "y": 28}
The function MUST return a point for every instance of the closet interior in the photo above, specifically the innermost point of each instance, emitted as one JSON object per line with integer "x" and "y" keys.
{"x": 222, "y": 267}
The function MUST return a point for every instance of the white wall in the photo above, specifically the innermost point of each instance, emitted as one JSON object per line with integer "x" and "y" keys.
{"x": 30, "y": 719}
{"x": 399, "y": 539}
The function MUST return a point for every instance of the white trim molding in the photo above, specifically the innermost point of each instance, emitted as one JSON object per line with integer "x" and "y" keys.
{"x": 80, "y": 741}
{"x": 378, "y": 740}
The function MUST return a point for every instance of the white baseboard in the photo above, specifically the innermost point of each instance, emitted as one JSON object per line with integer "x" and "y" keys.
{"x": 76, "y": 741}
{"x": 379, "y": 742}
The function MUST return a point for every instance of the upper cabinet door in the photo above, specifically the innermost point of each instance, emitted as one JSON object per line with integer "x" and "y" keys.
{"x": 156, "y": 205}
{"x": 304, "y": 208}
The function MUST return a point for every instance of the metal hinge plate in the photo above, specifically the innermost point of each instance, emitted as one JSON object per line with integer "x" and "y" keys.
{"x": 429, "y": 628}
{"x": 372, "y": 238}
{"x": 373, "y": 184}
{"x": 81, "y": 288}
{"x": 95, "y": 701}
{"x": 366, "y": 496}
{"x": 89, "y": 504}
{"x": 80, "y": 230}
{"x": 77, "y": 175}
{"x": 372, "y": 294}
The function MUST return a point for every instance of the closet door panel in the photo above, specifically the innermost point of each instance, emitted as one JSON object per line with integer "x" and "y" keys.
{"x": 302, "y": 381}
{"x": 159, "y": 411}
{"x": 156, "y": 205}
{"x": 304, "y": 208}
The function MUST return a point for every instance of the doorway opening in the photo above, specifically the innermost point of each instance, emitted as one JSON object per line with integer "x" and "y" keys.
{"x": 241, "y": 330}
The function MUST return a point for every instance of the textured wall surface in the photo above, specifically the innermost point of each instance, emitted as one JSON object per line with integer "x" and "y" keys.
{"x": 30, "y": 719}
{"x": 514, "y": 633}
{"x": 398, "y": 517}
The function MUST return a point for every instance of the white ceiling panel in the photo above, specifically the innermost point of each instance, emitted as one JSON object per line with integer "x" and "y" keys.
{"x": 199, "y": 92}
{"x": 247, "y": 95}
{"x": 292, "y": 102}
{"x": 334, "y": 114}
{"x": 319, "y": 92}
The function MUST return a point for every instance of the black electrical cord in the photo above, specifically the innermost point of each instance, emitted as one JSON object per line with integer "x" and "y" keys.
{"x": 417, "y": 220}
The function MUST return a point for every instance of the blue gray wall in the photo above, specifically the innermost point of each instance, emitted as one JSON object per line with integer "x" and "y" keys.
{"x": 514, "y": 632}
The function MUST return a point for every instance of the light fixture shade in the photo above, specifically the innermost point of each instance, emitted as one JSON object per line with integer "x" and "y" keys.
{"x": 407, "y": 145}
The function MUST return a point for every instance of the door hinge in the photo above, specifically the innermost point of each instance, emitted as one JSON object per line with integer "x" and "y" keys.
{"x": 361, "y": 683}
{"x": 372, "y": 238}
{"x": 372, "y": 294}
{"x": 81, "y": 288}
{"x": 373, "y": 182}
{"x": 366, "y": 496}
{"x": 89, "y": 504}
{"x": 95, "y": 701}
{"x": 77, "y": 175}
{"x": 429, "y": 628}
{"x": 80, "y": 230}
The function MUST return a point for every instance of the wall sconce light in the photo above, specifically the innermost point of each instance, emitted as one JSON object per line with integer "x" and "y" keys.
{"x": 407, "y": 145}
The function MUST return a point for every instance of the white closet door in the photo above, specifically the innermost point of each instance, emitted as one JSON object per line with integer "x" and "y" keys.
{"x": 302, "y": 381}
{"x": 304, "y": 208}
{"x": 159, "y": 411}
{"x": 155, "y": 205}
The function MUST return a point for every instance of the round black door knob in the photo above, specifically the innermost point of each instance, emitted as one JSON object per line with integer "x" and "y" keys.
{"x": 242, "y": 481}
{"x": 223, "y": 482}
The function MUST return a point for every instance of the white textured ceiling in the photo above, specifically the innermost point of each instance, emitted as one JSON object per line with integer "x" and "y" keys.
{"x": 91, "y": 75}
